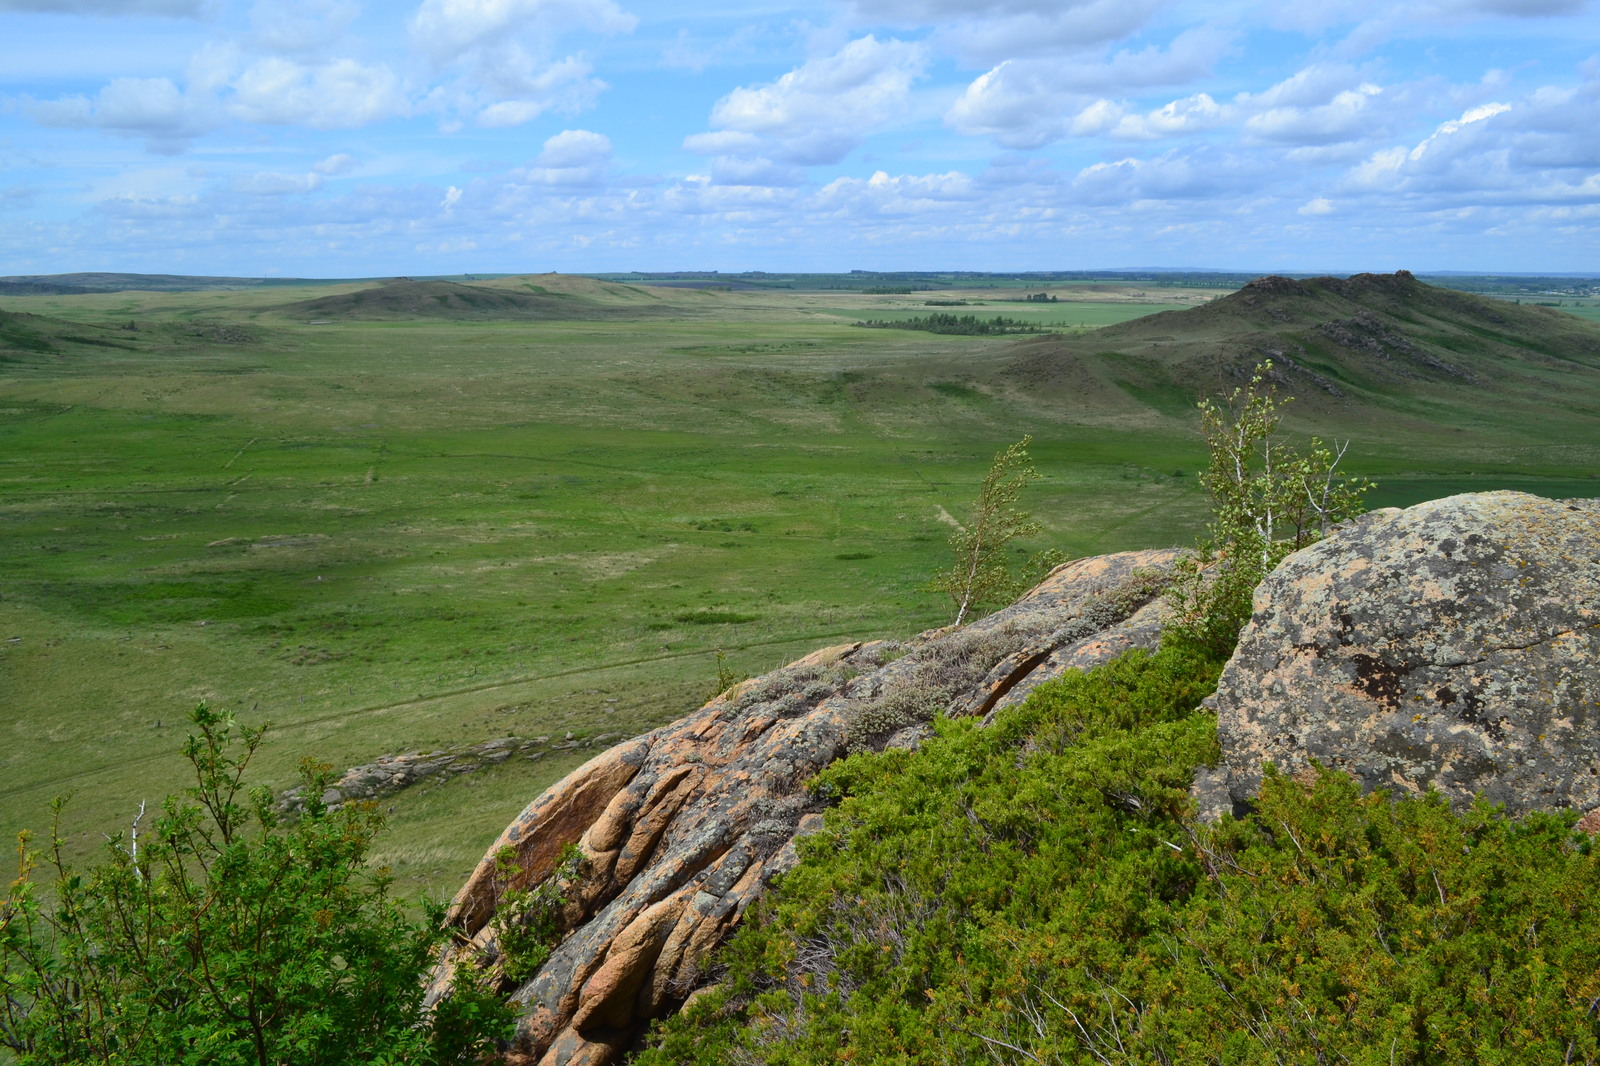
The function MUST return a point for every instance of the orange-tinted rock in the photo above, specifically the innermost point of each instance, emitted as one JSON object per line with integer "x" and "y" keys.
{"x": 684, "y": 827}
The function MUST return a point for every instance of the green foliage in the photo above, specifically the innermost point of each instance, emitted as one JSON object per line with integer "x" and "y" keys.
{"x": 226, "y": 936}
{"x": 957, "y": 325}
{"x": 526, "y": 920}
{"x": 1268, "y": 500}
{"x": 982, "y": 571}
{"x": 1038, "y": 892}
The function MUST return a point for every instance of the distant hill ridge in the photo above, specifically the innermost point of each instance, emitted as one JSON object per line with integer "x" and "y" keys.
{"x": 524, "y": 297}
{"x": 1385, "y": 341}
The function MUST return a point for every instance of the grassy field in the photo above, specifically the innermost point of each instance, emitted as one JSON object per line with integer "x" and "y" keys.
{"x": 417, "y": 533}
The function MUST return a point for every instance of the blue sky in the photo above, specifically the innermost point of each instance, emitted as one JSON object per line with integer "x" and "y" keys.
{"x": 336, "y": 138}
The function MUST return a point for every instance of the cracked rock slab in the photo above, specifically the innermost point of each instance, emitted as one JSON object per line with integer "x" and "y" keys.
{"x": 681, "y": 829}
{"x": 1454, "y": 645}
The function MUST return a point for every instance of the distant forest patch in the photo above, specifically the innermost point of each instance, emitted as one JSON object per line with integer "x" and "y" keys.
{"x": 961, "y": 325}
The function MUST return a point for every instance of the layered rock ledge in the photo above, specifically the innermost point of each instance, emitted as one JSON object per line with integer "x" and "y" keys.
{"x": 682, "y": 828}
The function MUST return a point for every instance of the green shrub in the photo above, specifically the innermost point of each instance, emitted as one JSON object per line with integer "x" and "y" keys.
{"x": 1038, "y": 892}
{"x": 227, "y": 936}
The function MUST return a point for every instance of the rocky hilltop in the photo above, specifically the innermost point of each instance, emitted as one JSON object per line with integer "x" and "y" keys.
{"x": 1450, "y": 646}
{"x": 1384, "y": 346}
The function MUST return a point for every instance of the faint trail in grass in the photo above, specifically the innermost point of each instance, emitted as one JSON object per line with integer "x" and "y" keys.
{"x": 290, "y": 727}
{"x": 240, "y": 452}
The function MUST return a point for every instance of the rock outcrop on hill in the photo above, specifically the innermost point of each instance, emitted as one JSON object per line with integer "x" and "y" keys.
{"x": 681, "y": 829}
{"x": 1454, "y": 645}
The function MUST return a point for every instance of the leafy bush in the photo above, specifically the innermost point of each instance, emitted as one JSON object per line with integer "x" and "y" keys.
{"x": 527, "y": 920}
{"x": 1267, "y": 500}
{"x": 227, "y": 936}
{"x": 1038, "y": 892}
{"x": 981, "y": 571}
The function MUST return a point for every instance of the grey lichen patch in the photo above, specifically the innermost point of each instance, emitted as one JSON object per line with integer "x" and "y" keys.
{"x": 1455, "y": 644}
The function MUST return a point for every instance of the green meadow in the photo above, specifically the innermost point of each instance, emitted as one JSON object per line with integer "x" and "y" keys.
{"x": 424, "y": 532}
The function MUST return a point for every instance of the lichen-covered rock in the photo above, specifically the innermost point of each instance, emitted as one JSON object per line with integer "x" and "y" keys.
{"x": 1453, "y": 645}
{"x": 681, "y": 829}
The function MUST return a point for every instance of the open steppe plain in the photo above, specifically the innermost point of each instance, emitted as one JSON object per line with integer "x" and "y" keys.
{"x": 428, "y": 524}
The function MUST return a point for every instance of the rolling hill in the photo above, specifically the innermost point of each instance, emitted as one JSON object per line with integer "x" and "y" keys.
{"x": 1373, "y": 347}
{"x": 542, "y": 297}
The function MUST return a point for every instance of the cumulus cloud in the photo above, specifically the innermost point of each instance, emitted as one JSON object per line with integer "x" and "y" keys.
{"x": 1179, "y": 174}
{"x": 904, "y": 194}
{"x": 451, "y": 30}
{"x": 571, "y": 158}
{"x": 502, "y": 51}
{"x": 342, "y": 94}
{"x": 1027, "y": 103}
{"x": 575, "y": 148}
{"x": 754, "y": 170}
{"x": 733, "y": 203}
{"x": 1349, "y": 115}
{"x": 819, "y": 111}
{"x": 152, "y": 108}
{"x": 1192, "y": 114}
{"x": 531, "y": 91}
{"x": 1320, "y": 206}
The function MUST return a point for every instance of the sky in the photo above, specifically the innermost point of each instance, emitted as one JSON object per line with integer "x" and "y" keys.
{"x": 349, "y": 138}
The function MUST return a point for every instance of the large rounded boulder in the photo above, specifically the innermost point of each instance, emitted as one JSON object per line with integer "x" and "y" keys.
{"x": 1454, "y": 645}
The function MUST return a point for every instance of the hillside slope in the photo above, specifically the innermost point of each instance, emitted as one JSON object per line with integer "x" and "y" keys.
{"x": 518, "y": 298}
{"x": 1371, "y": 347}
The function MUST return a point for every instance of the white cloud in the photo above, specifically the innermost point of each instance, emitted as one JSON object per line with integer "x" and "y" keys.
{"x": 502, "y": 52}
{"x": 340, "y": 163}
{"x": 1448, "y": 129}
{"x": 450, "y": 30}
{"x": 342, "y": 94}
{"x": 747, "y": 170}
{"x": 819, "y": 111}
{"x": 153, "y": 108}
{"x": 1179, "y": 174}
{"x": 571, "y": 158}
{"x": 294, "y": 26}
{"x": 1320, "y": 206}
{"x": 1348, "y": 116}
{"x": 452, "y": 196}
{"x": 1028, "y": 103}
{"x": 575, "y": 148}
{"x": 1193, "y": 114}
{"x": 904, "y": 194}
{"x": 722, "y": 142}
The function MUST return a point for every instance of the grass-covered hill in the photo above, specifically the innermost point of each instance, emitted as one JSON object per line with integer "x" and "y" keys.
{"x": 1371, "y": 348}
{"x": 550, "y": 297}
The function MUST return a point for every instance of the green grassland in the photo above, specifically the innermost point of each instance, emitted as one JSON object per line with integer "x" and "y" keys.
{"x": 448, "y": 517}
